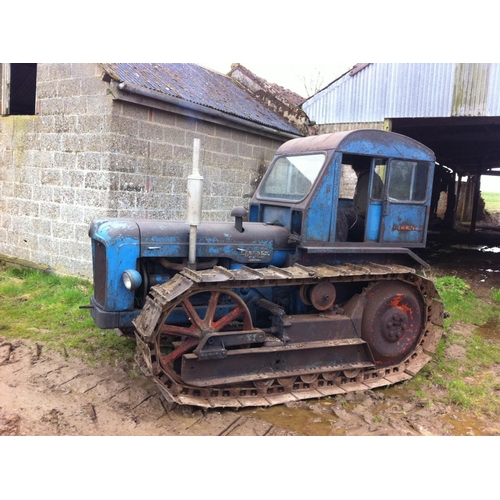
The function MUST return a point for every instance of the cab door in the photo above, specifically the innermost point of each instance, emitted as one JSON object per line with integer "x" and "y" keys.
{"x": 405, "y": 207}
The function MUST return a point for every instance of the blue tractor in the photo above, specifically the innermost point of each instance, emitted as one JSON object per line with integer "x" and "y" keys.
{"x": 311, "y": 292}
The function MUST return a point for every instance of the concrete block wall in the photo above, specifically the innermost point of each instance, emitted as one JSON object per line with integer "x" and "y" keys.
{"x": 47, "y": 163}
{"x": 85, "y": 156}
{"x": 348, "y": 181}
{"x": 151, "y": 155}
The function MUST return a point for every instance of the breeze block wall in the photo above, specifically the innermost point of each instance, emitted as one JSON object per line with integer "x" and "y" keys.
{"x": 48, "y": 164}
{"x": 151, "y": 155}
{"x": 85, "y": 155}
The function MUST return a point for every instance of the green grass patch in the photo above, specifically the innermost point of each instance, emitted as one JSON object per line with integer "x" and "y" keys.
{"x": 461, "y": 303}
{"x": 492, "y": 201}
{"x": 470, "y": 380}
{"x": 45, "y": 307}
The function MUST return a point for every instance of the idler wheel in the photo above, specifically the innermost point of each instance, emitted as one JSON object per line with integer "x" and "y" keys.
{"x": 195, "y": 316}
{"x": 392, "y": 322}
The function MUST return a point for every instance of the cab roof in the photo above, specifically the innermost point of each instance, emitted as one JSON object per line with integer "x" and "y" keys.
{"x": 365, "y": 141}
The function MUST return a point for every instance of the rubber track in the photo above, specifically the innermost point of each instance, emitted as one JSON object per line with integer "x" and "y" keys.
{"x": 161, "y": 298}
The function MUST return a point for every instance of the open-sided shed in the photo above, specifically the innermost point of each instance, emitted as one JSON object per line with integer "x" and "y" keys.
{"x": 453, "y": 108}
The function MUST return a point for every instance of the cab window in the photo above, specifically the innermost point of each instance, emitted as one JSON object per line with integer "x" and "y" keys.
{"x": 292, "y": 177}
{"x": 408, "y": 181}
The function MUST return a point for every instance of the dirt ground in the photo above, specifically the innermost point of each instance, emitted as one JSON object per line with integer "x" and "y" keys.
{"x": 45, "y": 394}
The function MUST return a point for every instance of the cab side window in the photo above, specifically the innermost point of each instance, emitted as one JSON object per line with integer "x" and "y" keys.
{"x": 408, "y": 181}
{"x": 380, "y": 169}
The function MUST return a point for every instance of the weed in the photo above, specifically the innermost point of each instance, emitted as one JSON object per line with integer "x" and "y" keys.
{"x": 482, "y": 353}
{"x": 461, "y": 302}
{"x": 46, "y": 308}
{"x": 468, "y": 379}
{"x": 420, "y": 394}
{"x": 460, "y": 393}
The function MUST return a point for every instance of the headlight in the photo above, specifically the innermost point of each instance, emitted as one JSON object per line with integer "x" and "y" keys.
{"x": 131, "y": 279}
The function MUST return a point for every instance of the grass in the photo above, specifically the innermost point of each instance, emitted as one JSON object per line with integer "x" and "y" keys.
{"x": 470, "y": 381}
{"x": 461, "y": 302}
{"x": 492, "y": 201}
{"x": 45, "y": 308}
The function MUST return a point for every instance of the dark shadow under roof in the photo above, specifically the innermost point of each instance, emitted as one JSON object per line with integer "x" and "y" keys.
{"x": 198, "y": 85}
{"x": 468, "y": 145}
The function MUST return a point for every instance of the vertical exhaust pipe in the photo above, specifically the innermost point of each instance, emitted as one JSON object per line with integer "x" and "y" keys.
{"x": 194, "y": 200}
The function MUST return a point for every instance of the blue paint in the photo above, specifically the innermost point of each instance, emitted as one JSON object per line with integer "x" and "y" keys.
{"x": 373, "y": 220}
{"x": 278, "y": 228}
{"x": 121, "y": 241}
{"x": 404, "y": 224}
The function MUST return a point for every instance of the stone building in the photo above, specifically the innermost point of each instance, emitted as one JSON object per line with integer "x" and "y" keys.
{"x": 86, "y": 141}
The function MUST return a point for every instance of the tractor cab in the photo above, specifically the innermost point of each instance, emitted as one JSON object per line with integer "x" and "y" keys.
{"x": 360, "y": 187}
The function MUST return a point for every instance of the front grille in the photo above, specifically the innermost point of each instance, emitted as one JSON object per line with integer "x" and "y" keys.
{"x": 100, "y": 272}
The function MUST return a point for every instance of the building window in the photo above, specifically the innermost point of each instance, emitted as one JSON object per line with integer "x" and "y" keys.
{"x": 18, "y": 88}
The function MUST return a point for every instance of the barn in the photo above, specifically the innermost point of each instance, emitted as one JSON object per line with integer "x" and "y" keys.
{"x": 91, "y": 140}
{"x": 453, "y": 108}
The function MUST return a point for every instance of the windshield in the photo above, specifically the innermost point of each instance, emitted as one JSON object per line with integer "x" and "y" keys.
{"x": 292, "y": 177}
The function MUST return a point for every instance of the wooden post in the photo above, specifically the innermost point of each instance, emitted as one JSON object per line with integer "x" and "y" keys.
{"x": 465, "y": 211}
{"x": 451, "y": 201}
{"x": 475, "y": 203}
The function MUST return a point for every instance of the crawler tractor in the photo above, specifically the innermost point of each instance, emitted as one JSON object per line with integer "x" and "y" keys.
{"x": 272, "y": 307}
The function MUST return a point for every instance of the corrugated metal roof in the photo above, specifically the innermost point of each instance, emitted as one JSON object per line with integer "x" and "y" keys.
{"x": 408, "y": 90}
{"x": 201, "y": 86}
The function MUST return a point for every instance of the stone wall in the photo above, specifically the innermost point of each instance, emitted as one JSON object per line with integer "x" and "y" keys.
{"x": 86, "y": 156}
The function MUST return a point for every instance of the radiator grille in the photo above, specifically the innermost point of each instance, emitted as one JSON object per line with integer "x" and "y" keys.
{"x": 100, "y": 273}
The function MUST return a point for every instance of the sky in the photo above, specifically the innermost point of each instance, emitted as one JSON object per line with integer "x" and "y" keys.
{"x": 296, "y": 76}
{"x": 293, "y": 75}
{"x": 286, "y": 40}
{"x": 490, "y": 184}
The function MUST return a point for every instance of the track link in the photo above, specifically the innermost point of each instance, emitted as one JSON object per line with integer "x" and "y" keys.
{"x": 162, "y": 299}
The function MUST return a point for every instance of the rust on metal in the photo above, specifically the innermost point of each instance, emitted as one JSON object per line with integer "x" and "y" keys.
{"x": 309, "y": 356}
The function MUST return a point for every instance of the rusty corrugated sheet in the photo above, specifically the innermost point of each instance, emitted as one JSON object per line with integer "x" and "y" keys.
{"x": 201, "y": 86}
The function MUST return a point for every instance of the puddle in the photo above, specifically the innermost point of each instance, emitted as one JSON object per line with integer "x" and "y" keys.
{"x": 466, "y": 426}
{"x": 490, "y": 330}
{"x": 479, "y": 248}
{"x": 301, "y": 420}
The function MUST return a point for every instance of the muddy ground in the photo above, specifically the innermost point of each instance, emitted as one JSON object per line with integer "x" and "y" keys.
{"x": 45, "y": 394}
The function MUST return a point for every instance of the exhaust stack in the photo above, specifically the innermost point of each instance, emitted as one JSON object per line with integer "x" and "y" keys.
{"x": 194, "y": 201}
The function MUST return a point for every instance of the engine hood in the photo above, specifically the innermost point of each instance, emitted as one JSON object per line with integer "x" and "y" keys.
{"x": 259, "y": 242}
